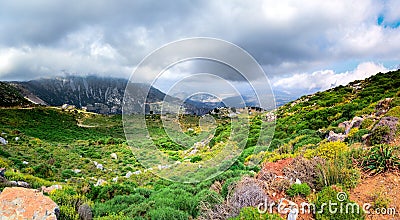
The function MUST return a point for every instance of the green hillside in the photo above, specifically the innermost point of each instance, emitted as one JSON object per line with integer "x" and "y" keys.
{"x": 88, "y": 155}
{"x": 10, "y": 96}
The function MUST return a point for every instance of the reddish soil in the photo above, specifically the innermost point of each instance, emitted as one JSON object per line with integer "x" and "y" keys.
{"x": 387, "y": 185}
{"x": 277, "y": 167}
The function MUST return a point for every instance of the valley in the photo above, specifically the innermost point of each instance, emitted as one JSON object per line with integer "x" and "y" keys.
{"x": 343, "y": 140}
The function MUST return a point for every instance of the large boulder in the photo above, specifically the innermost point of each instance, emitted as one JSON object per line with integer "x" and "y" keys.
{"x": 22, "y": 203}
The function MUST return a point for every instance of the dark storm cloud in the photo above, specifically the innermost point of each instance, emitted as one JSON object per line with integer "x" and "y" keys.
{"x": 45, "y": 37}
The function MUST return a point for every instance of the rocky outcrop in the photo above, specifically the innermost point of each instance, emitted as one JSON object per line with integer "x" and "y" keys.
{"x": 383, "y": 106}
{"x": 348, "y": 125}
{"x": 391, "y": 123}
{"x": 332, "y": 136}
{"x": 21, "y": 203}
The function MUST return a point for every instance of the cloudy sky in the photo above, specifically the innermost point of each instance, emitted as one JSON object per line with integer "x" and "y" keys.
{"x": 302, "y": 45}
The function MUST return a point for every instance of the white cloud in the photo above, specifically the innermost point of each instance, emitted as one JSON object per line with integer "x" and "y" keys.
{"x": 325, "y": 79}
{"x": 286, "y": 37}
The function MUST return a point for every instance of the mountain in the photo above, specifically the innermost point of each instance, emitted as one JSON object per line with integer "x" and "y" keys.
{"x": 97, "y": 94}
{"x": 105, "y": 94}
{"x": 10, "y": 96}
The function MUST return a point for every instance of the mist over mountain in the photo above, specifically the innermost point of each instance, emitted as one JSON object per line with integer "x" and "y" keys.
{"x": 105, "y": 95}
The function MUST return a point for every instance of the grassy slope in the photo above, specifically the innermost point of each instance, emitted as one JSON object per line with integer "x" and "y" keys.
{"x": 53, "y": 143}
{"x": 10, "y": 96}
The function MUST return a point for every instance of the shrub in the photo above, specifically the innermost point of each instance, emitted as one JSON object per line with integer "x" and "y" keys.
{"x": 250, "y": 213}
{"x": 378, "y": 134}
{"x": 298, "y": 190}
{"x": 69, "y": 201}
{"x": 367, "y": 123}
{"x": 167, "y": 213}
{"x": 195, "y": 159}
{"x": 394, "y": 112}
{"x": 67, "y": 173}
{"x": 329, "y": 196}
{"x": 381, "y": 158}
{"x": 338, "y": 171}
{"x": 380, "y": 200}
{"x": 305, "y": 170}
{"x": 117, "y": 204}
{"x": 228, "y": 184}
{"x": 331, "y": 150}
{"x": 34, "y": 182}
{"x": 384, "y": 131}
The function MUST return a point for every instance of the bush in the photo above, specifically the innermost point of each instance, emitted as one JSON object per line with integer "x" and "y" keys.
{"x": 117, "y": 205}
{"x": 68, "y": 173}
{"x": 378, "y": 134}
{"x": 228, "y": 184}
{"x": 330, "y": 196}
{"x": 331, "y": 150}
{"x": 167, "y": 213}
{"x": 250, "y": 213}
{"x": 367, "y": 123}
{"x": 195, "y": 159}
{"x": 307, "y": 171}
{"x": 380, "y": 158}
{"x": 69, "y": 201}
{"x": 338, "y": 171}
{"x": 298, "y": 190}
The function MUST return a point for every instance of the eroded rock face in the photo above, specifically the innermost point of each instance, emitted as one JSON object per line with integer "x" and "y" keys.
{"x": 22, "y": 203}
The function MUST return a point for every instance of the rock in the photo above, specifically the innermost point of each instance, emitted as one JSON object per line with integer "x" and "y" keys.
{"x": 3, "y": 141}
{"x": 137, "y": 172}
{"x": 128, "y": 174}
{"x": 100, "y": 182}
{"x": 114, "y": 156}
{"x": 356, "y": 122}
{"x": 100, "y": 166}
{"x": 390, "y": 122}
{"x": 336, "y": 137}
{"x": 383, "y": 106}
{"x": 85, "y": 212}
{"x": 17, "y": 184}
{"x": 2, "y": 171}
{"x": 50, "y": 188}
{"x": 77, "y": 171}
{"x": 344, "y": 124}
{"x": 21, "y": 203}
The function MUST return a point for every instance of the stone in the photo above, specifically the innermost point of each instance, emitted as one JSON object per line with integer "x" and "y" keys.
{"x": 77, "y": 171}
{"x": 85, "y": 212}
{"x": 114, "y": 156}
{"x": 51, "y": 188}
{"x": 336, "y": 137}
{"x": 3, "y": 141}
{"x": 100, "y": 166}
{"x": 100, "y": 182}
{"x": 22, "y": 203}
{"x": 128, "y": 174}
